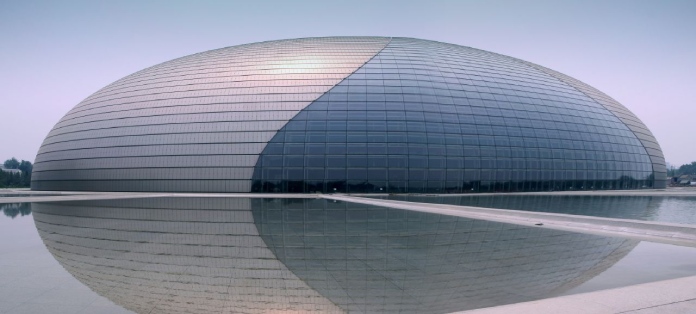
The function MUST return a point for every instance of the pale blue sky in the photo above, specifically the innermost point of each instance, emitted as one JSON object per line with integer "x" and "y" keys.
{"x": 53, "y": 54}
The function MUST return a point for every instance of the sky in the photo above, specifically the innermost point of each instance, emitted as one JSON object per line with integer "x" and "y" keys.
{"x": 53, "y": 54}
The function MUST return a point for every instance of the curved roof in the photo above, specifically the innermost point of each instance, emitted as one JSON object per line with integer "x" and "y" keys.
{"x": 200, "y": 123}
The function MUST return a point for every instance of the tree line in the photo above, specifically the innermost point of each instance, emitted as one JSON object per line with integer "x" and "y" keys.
{"x": 16, "y": 180}
{"x": 683, "y": 169}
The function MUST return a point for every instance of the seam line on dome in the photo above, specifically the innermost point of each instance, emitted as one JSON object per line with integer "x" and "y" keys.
{"x": 332, "y": 87}
{"x": 310, "y": 103}
{"x": 351, "y": 73}
{"x": 536, "y": 67}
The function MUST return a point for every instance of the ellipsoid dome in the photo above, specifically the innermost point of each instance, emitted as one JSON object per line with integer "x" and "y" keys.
{"x": 348, "y": 114}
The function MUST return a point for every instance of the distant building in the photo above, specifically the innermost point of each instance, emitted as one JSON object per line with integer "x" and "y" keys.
{"x": 687, "y": 179}
{"x": 13, "y": 171}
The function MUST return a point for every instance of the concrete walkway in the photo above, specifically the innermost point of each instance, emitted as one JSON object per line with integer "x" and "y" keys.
{"x": 75, "y": 197}
{"x": 678, "y": 192}
{"x": 669, "y": 233}
{"x": 45, "y": 196}
{"x": 54, "y": 196}
{"x": 669, "y": 296}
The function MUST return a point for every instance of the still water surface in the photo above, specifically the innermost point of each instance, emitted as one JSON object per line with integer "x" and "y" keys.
{"x": 240, "y": 255}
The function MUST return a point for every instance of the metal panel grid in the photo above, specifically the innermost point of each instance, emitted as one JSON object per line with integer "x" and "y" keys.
{"x": 423, "y": 116}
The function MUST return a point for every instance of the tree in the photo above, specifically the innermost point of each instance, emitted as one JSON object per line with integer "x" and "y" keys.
{"x": 26, "y": 168}
{"x": 687, "y": 168}
{"x": 11, "y": 163}
{"x": 14, "y": 209}
{"x": 16, "y": 180}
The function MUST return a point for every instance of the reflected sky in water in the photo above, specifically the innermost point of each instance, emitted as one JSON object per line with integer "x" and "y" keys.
{"x": 654, "y": 208}
{"x": 239, "y": 255}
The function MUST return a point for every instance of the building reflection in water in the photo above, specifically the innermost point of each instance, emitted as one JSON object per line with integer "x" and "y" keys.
{"x": 239, "y": 255}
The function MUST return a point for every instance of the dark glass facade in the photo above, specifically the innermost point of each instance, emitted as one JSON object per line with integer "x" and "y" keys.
{"x": 348, "y": 114}
{"x": 429, "y": 117}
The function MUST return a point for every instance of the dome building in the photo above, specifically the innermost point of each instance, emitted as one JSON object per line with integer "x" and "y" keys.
{"x": 348, "y": 114}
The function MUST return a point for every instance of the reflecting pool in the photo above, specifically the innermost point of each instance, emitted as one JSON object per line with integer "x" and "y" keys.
{"x": 241, "y": 255}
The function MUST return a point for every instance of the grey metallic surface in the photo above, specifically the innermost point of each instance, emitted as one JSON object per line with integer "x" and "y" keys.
{"x": 196, "y": 123}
